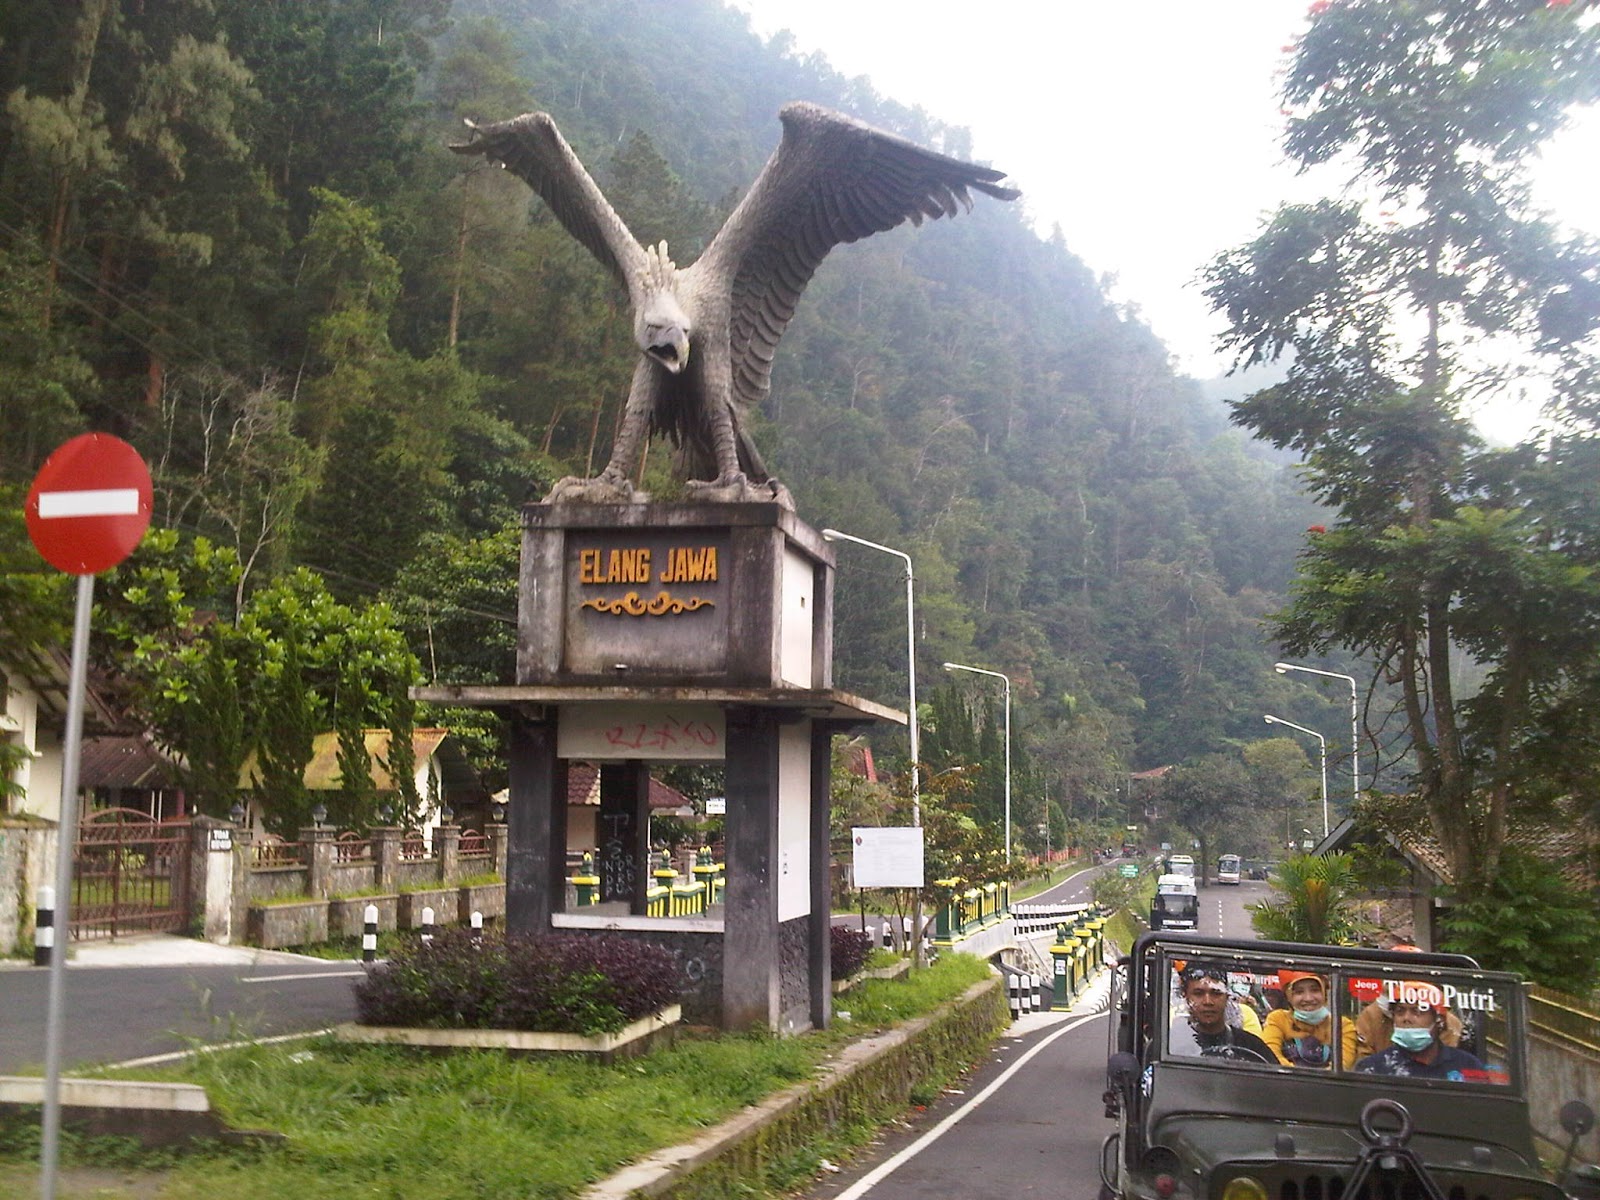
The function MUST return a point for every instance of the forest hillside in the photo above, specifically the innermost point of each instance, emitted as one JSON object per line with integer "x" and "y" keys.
{"x": 231, "y": 232}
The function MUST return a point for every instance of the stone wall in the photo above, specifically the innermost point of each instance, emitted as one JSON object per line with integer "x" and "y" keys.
{"x": 27, "y": 859}
{"x": 1557, "y": 1072}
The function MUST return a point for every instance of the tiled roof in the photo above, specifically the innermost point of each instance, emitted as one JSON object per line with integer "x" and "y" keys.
{"x": 123, "y": 762}
{"x": 583, "y": 787}
{"x": 1569, "y": 846}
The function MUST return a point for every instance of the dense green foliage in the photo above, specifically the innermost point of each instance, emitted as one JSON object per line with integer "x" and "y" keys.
{"x": 1429, "y": 286}
{"x": 1530, "y": 921}
{"x": 1312, "y": 901}
{"x": 231, "y": 232}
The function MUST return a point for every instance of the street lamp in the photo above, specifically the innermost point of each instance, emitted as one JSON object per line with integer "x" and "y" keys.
{"x": 950, "y": 666}
{"x": 834, "y": 535}
{"x": 1322, "y": 744}
{"x": 1355, "y": 723}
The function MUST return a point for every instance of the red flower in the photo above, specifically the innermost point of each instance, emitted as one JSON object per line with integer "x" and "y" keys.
{"x": 1318, "y": 7}
{"x": 1558, "y": 3}
{"x": 1317, "y": 529}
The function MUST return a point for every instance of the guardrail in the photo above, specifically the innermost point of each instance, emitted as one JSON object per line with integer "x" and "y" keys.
{"x": 1032, "y": 920}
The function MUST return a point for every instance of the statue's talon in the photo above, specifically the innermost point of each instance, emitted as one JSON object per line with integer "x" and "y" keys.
{"x": 603, "y": 489}
{"x": 736, "y": 488}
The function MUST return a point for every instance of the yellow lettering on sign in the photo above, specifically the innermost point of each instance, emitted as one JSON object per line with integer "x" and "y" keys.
{"x": 626, "y": 566}
{"x": 588, "y": 566}
{"x": 690, "y": 564}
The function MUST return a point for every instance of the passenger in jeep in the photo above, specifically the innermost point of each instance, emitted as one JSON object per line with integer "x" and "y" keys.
{"x": 1302, "y": 1035}
{"x": 1418, "y": 1050}
{"x": 1207, "y": 1030}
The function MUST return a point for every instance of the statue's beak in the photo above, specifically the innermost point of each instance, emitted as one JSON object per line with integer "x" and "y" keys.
{"x": 673, "y": 351}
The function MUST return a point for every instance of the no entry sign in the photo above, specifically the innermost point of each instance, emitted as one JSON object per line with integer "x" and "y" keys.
{"x": 89, "y": 504}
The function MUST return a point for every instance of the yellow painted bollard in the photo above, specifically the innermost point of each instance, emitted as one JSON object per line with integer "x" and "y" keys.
{"x": 1062, "y": 990}
{"x": 705, "y": 874}
{"x": 991, "y": 903}
{"x": 664, "y": 874}
{"x": 657, "y": 901}
{"x": 587, "y": 883}
{"x": 1097, "y": 928}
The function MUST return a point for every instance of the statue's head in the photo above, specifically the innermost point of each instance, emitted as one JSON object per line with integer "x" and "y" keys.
{"x": 662, "y": 329}
{"x": 660, "y": 325}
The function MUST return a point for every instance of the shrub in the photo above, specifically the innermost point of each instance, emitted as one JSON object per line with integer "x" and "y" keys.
{"x": 552, "y": 984}
{"x": 850, "y": 948}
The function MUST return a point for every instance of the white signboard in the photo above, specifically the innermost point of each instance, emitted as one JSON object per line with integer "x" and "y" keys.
{"x": 887, "y": 857}
{"x": 716, "y": 806}
{"x": 657, "y": 732}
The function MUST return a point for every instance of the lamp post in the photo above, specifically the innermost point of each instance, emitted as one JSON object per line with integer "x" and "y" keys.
{"x": 834, "y": 535}
{"x": 1322, "y": 744}
{"x": 1355, "y": 723}
{"x": 950, "y": 666}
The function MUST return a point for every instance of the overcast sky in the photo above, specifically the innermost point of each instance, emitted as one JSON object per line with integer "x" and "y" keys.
{"x": 1149, "y": 131}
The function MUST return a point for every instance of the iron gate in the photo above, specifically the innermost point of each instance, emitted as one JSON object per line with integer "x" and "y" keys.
{"x": 130, "y": 875}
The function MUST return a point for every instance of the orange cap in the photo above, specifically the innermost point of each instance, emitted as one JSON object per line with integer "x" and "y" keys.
{"x": 1287, "y": 979}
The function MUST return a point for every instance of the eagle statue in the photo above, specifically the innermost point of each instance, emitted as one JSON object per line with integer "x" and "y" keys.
{"x": 707, "y": 333}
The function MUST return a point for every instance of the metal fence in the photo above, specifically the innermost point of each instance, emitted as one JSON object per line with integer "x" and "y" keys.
{"x": 1566, "y": 1020}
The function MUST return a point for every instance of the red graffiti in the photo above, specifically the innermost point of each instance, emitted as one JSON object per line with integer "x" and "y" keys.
{"x": 668, "y": 734}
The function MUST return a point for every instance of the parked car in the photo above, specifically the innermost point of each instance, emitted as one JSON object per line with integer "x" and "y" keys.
{"x": 1195, "y": 1121}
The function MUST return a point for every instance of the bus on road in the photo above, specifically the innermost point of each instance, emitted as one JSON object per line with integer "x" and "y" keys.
{"x": 1228, "y": 869}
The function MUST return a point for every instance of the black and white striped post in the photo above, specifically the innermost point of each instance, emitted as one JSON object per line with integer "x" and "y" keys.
{"x": 369, "y": 933}
{"x": 427, "y": 925}
{"x": 477, "y": 926}
{"x": 44, "y": 927}
{"x": 1014, "y": 994}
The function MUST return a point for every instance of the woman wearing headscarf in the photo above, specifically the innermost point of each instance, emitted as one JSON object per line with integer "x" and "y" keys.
{"x": 1302, "y": 1034}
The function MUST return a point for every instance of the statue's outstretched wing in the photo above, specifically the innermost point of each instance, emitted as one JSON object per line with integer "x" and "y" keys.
{"x": 532, "y": 149}
{"x": 831, "y": 180}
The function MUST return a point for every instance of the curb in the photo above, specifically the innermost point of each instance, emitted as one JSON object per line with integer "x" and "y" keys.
{"x": 665, "y": 1172}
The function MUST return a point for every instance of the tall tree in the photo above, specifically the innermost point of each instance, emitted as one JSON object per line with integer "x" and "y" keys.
{"x": 1386, "y": 307}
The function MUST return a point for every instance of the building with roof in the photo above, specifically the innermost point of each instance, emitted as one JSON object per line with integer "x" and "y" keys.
{"x": 444, "y": 778}
{"x": 1412, "y": 909}
{"x": 33, "y": 717}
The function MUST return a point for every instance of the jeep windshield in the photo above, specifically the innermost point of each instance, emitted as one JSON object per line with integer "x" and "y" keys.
{"x": 1413, "y": 1024}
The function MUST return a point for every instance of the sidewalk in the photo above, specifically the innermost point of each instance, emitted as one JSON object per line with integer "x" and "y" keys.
{"x": 167, "y": 950}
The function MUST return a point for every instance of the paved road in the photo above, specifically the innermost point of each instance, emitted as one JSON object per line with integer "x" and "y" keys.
{"x": 116, "y": 1013}
{"x": 1028, "y": 1122}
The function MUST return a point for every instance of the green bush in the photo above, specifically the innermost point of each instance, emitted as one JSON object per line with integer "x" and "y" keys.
{"x": 1531, "y": 921}
{"x": 550, "y": 984}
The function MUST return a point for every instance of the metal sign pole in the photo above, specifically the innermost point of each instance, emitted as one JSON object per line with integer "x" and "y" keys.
{"x": 66, "y": 845}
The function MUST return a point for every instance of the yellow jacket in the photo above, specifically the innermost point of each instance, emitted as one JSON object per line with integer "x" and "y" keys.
{"x": 1282, "y": 1031}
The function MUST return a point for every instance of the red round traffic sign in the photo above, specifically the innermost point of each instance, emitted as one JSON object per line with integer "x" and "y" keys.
{"x": 89, "y": 504}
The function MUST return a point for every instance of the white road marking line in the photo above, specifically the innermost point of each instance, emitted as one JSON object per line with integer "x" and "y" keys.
{"x": 881, "y": 1172}
{"x": 212, "y": 1048}
{"x": 103, "y": 502}
{"x": 304, "y": 975}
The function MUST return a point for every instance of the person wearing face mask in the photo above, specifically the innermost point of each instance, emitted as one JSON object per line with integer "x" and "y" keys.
{"x": 1418, "y": 1048}
{"x": 1302, "y": 1034}
{"x": 1374, "y": 1026}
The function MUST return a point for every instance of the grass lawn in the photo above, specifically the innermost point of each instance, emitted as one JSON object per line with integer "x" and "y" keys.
{"x": 381, "y": 1121}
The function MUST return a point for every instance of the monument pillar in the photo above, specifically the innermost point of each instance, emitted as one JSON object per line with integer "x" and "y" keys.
{"x": 750, "y": 979}
{"x": 536, "y": 817}
{"x": 622, "y": 834}
{"x": 681, "y": 633}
